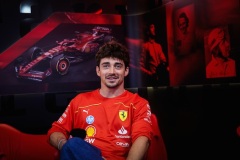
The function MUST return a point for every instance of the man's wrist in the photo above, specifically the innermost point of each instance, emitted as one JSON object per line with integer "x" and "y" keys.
{"x": 61, "y": 142}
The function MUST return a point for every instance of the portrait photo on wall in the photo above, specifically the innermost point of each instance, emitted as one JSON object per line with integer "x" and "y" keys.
{"x": 185, "y": 44}
{"x": 184, "y": 30}
{"x": 219, "y": 60}
{"x": 65, "y": 56}
{"x": 153, "y": 59}
{"x": 151, "y": 56}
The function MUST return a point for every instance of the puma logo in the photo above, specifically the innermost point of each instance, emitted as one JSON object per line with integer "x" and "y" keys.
{"x": 86, "y": 111}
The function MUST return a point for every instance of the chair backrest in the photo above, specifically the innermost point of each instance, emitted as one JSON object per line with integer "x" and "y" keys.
{"x": 238, "y": 130}
{"x": 157, "y": 149}
{"x": 15, "y": 144}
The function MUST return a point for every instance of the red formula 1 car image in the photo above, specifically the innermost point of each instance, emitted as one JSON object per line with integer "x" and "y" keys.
{"x": 38, "y": 64}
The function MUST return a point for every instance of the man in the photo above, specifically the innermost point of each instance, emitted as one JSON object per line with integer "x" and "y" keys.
{"x": 220, "y": 65}
{"x": 117, "y": 122}
{"x": 153, "y": 61}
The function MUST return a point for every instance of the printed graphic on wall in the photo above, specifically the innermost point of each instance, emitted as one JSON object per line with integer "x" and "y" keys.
{"x": 68, "y": 59}
{"x": 191, "y": 42}
{"x": 149, "y": 49}
{"x": 203, "y": 42}
{"x": 184, "y": 28}
{"x": 62, "y": 60}
{"x": 186, "y": 61}
{"x": 217, "y": 52}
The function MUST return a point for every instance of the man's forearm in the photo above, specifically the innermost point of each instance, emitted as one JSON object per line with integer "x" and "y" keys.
{"x": 57, "y": 140}
{"x": 138, "y": 149}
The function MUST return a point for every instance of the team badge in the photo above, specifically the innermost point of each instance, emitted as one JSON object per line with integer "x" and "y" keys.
{"x": 123, "y": 115}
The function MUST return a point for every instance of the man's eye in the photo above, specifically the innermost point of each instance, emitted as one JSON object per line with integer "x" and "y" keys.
{"x": 105, "y": 66}
{"x": 118, "y": 66}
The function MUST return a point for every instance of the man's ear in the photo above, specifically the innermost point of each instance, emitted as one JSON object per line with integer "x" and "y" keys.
{"x": 98, "y": 71}
{"x": 126, "y": 71}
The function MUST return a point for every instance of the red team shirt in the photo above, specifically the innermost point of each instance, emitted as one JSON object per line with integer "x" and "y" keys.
{"x": 111, "y": 124}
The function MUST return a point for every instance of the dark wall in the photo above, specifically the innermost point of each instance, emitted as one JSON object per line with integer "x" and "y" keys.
{"x": 14, "y": 25}
{"x": 9, "y": 23}
{"x": 196, "y": 122}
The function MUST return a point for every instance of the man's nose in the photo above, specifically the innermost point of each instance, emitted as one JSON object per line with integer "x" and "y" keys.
{"x": 112, "y": 69}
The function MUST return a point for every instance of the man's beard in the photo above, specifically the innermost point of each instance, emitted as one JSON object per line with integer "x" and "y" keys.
{"x": 115, "y": 83}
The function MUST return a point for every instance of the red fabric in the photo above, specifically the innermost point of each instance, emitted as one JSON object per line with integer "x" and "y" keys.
{"x": 157, "y": 149}
{"x": 111, "y": 124}
{"x": 238, "y": 131}
{"x": 21, "y": 146}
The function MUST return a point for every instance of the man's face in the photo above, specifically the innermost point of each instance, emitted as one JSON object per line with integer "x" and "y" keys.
{"x": 152, "y": 30}
{"x": 182, "y": 25}
{"x": 112, "y": 72}
{"x": 224, "y": 46}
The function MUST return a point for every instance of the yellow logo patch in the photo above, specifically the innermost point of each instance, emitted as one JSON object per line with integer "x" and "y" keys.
{"x": 123, "y": 115}
{"x": 90, "y": 131}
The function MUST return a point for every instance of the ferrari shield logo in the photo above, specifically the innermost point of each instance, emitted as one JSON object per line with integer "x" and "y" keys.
{"x": 123, "y": 115}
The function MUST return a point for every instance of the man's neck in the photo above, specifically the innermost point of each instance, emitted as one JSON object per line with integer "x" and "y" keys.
{"x": 220, "y": 59}
{"x": 151, "y": 40}
{"x": 111, "y": 92}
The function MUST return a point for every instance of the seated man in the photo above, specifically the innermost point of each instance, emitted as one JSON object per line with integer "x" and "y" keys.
{"x": 117, "y": 122}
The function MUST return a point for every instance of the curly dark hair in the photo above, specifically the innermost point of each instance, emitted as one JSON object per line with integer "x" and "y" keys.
{"x": 113, "y": 49}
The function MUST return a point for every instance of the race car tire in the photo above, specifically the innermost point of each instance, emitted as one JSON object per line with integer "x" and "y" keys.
{"x": 18, "y": 62}
{"x": 60, "y": 65}
{"x": 33, "y": 53}
{"x": 108, "y": 38}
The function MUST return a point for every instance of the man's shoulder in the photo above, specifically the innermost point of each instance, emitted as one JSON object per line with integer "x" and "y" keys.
{"x": 136, "y": 96}
{"x": 231, "y": 60}
{"x": 85, "y": 97}
{"x": 87, "y": 93}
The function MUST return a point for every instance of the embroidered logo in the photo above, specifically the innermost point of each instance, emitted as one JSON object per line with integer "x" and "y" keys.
{"x": 123, "y": 115}
{"x": 90, "y": 131}
{"x": 122, "y": 131}
{"x": 122, "y": 144}
{"x": 86, "y": 111}
{"x": 90, "y": 119}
